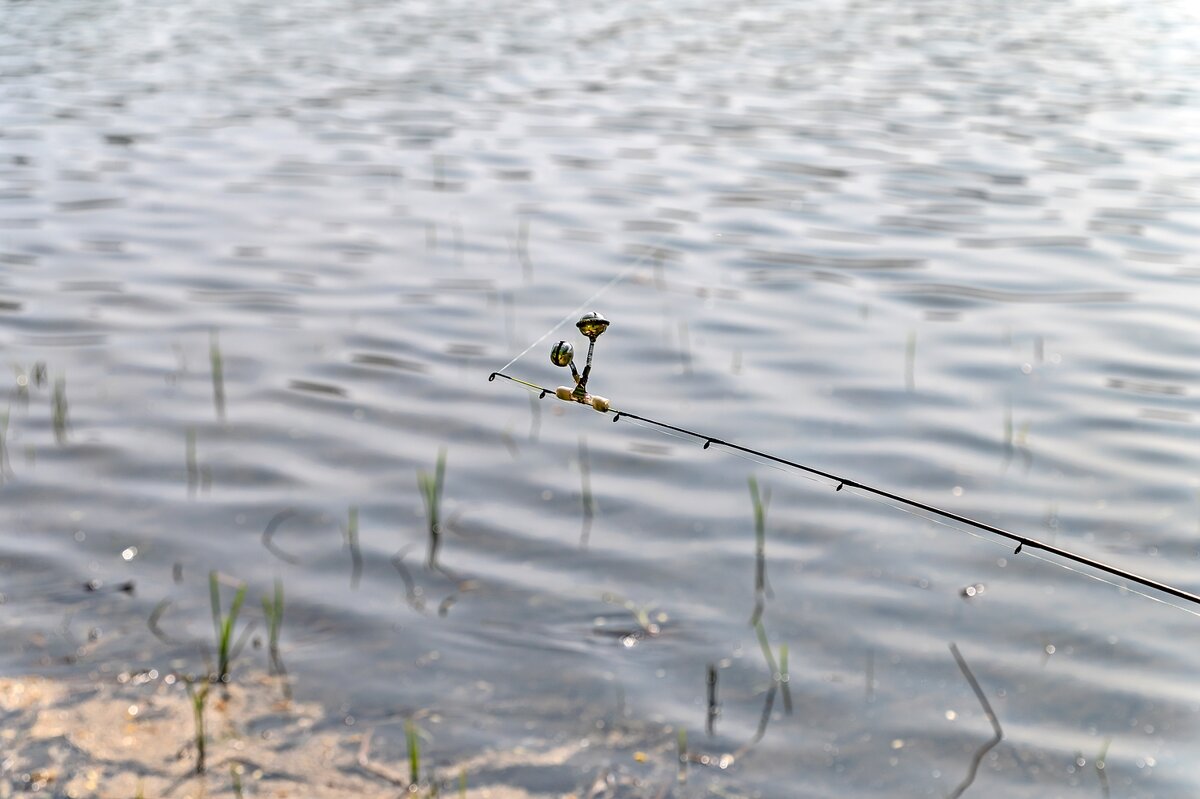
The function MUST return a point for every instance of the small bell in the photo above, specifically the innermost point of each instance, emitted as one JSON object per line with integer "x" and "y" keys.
{"x": 562, "y": 354}
{"x": 592, "y": 325}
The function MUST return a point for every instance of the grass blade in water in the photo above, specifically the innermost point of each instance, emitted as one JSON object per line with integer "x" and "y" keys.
{"x": 198, "y": 698}
{"x": 760, "y": 501}
{"x": 58, "y": 407}
{"x": 356, "y": 563}
{"x": 431, "y": 492}
{"x": 218, "y": 374}
{"x": 223, "y": 625}
{"x": 414, "y": 752}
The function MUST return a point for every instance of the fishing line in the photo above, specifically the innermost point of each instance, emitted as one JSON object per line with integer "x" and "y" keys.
{"x": 651, "y": 249}
{"x": 925, "y": 516}
{"x": 1068, "y": 567}
{"x": 744, "y": 456}
{"x": 911, "y": 506}
{"x": 753, "y": 458}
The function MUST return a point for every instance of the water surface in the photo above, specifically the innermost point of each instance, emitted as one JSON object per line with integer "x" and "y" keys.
{"x": 946, "y": 249}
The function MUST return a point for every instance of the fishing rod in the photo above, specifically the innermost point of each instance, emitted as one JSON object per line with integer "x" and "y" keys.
{"x": 592, "y": 325}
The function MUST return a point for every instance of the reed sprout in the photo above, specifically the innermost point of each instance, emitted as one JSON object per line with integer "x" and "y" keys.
{"x": 198, "y": 696}
{"x": 760, "y": 500}
{"x": 785, "y": 679}
{"x": 710, "y": 680}
{"x": 681, "y": 748}
{"x": 223, "y": 624}
{"x": 1101, "y": 766}
{"x": 356, "y": 563}
{"x": 413, "y": 741}
{"x": 5, "y": 469}
{"x": 765, "y": 645}
{"x": 641, "y": 614}
{"x": 59, "y": 409}
{"x": 585, "y": 480}
{"x": 431, "y": 492}
{"x": 779, "y": 670}
{"x": 218, "y": 374}
{"x": 273, "y": 611}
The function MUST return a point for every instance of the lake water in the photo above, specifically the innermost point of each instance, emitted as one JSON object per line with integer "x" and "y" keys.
{"x": 947, "y": 249}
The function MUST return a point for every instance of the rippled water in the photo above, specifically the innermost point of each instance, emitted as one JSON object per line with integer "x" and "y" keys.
{"x": 949, "y": 249}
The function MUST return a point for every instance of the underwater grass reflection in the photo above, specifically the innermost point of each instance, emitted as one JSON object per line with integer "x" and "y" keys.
{"x": 589, "y": 504}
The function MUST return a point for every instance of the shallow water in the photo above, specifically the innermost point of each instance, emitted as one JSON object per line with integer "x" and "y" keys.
{"x": 945, "y": 249}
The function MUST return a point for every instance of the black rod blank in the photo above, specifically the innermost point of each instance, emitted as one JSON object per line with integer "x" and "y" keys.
{"x": 842, "y": 482}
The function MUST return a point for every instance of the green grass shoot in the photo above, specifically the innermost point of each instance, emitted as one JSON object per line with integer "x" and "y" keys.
{"x": 681, "y": 745}
{"x": 273, "y": 610}
{"x": 218, "y": 374}
{"x": 5, "y": 469}
{"x": 199, "y": 697}
{"x": 785, "y": 679}
{"x": 462, "y": 784}
{"x": 1102, "y": 766}
{"x": 431, "y": 492}
{"x": 413, "y": 739}
{"x": 641, "y": 614}
{"x": 356, "y": 563}
{"x": 760, "y": 500}
{"x": 779, "y": 671}
{"x": 223, "y": 624}
{"x": 765, "y": 645}
{"x": 58, "y": 408}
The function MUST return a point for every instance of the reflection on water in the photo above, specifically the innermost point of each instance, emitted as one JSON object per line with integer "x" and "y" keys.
{"x": 256, "y": 262}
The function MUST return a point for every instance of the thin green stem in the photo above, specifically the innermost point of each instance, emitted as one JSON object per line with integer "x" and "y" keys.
{"x": 218, "y": 374}
{"x": 431, "y": 492}
{"x": 412, "y": 738}
{"x": 223, "y": 624}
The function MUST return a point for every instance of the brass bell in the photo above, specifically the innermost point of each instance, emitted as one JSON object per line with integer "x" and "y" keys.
{"x": 592, "y": 325}
{"x": 562, "y": 354}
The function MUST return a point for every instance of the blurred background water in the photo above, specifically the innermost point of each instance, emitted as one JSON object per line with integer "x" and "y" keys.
{"x": 262, "y": 257}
